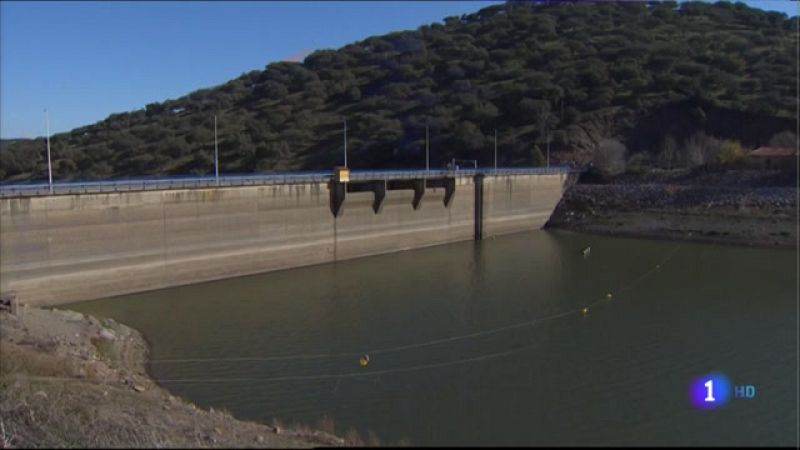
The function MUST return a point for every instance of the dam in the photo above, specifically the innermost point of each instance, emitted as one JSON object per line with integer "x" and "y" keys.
{"x": 86, "y": 242}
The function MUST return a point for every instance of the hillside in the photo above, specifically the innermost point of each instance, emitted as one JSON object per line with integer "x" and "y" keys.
{"x": 652, "y": 76}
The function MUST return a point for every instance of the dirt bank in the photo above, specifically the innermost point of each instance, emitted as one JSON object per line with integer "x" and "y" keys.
{"x": 741, "y": 207}
{"x": 71, "y": 380}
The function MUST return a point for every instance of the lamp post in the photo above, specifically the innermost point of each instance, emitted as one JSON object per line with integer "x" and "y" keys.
{"x": 495, "y": 149}
{"x": 427, "y": 151}
{"x": 345, "y": 142}
{"x": 49, "y": 163}
{"x": 547, "y": 136}
{"x": 216, "y": 153}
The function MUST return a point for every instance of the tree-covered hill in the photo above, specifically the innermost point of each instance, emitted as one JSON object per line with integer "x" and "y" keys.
{"x": 653, "y": 76}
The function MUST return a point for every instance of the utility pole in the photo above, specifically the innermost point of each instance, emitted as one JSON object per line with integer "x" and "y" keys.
{"x": 49, "y": 163}
{"x": 345, "y": 142}
{"x": 495, "y": 149}
{"x": 547, "y": 136}
{"x": 427, "y": 151}
{"x": 216, "y": 152}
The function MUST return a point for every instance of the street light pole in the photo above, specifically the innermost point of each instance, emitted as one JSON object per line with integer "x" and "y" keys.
{"x": 427, "y": 151}
{"x": 345, "y": 142}
{"x": 495, "y": 149}
{"x": 49, "y": 163}
{"x": 216, "y": 152}
{"x": 548, "y": 145}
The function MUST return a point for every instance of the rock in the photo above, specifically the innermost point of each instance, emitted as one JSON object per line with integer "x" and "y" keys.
{"x": 40, "y": 394}
{"x": 107, "y": 334}
{"x": 260, "y": 439}
{"x": 72, "y": 315}
{"x": 8, "y": 302}
{"x": 138, "y": 388}
{"x": 277, "y": 429}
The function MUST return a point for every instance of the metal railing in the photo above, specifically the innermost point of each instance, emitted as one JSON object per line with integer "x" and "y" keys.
{"x": 177, "y": 182}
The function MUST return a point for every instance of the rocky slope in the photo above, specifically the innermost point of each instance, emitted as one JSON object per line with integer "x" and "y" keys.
{"x": 71, "y": 380}
{"x": 745, "y": 207}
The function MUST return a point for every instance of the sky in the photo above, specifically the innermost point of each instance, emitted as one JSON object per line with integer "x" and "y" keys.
{"x": 85, "y": 60}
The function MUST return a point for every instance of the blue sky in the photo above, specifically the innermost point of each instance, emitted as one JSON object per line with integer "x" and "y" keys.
{"x": 85, "y": 60}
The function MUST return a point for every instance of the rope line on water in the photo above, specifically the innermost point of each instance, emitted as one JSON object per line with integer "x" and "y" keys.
{"x": 351, "y": 374}
{"x": 376, "y": 351}
{"x": 385, "y": 350}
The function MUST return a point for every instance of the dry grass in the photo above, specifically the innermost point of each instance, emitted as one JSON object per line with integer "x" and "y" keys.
{"x": 106, "y": 349}
{"x": 49, "y": 413}
{"x": 34, "y": 361}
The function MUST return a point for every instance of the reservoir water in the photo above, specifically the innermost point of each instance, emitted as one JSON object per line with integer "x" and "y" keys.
{"x": 488, "y": 343}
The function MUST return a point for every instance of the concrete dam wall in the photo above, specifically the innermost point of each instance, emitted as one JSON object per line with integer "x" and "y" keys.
{"x": 66, "y": 248}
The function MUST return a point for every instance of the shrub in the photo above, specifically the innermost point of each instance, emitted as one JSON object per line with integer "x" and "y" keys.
{"x": 537, "y": 158}
{"x": 784, "y": 139}
{"x": 609, "y": 157}
{"x": 700, "y": 149}
{"x": 732, "y": 155}
{"x": 639, "y": 163}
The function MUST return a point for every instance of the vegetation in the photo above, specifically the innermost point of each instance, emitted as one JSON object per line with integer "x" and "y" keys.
{"x": 609, "y": 157}
{"x": 537, "y": 157}
{"x": 658, "y": 77}
{"x": 732, "y": 155}
{"x": 784, "y": 139}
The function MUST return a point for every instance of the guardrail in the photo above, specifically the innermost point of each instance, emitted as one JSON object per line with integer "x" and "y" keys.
{"x": 150, "y": 184}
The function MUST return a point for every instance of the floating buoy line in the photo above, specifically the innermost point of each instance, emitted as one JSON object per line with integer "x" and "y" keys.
{"x": 363, "y": 358}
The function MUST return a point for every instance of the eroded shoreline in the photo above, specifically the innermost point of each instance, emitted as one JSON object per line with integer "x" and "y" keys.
{"x": 746, "y": 209}
{"x": 69, "y": 379}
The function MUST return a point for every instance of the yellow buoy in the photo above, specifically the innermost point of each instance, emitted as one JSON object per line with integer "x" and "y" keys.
{"x": 585, "y": 311}
{"x": 608, "y": 296}
{"x": 363, "y": 361}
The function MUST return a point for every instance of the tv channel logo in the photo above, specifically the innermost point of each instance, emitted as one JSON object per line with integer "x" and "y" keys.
{"x": 715, "y": 389}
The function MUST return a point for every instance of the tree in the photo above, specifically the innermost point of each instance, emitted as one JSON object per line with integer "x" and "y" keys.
{"x": 609, "y": 157}
{"x": 668, "y": 154}
{"x": 354, "y": 94}
{"x": 732, "y": 155}
{"x": 700, "y": 149}
{"x": 537, "y": 158}
{"x": 784, "y": 139}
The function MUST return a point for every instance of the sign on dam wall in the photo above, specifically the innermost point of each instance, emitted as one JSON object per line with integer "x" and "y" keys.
{"x": 65, "y": 248}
